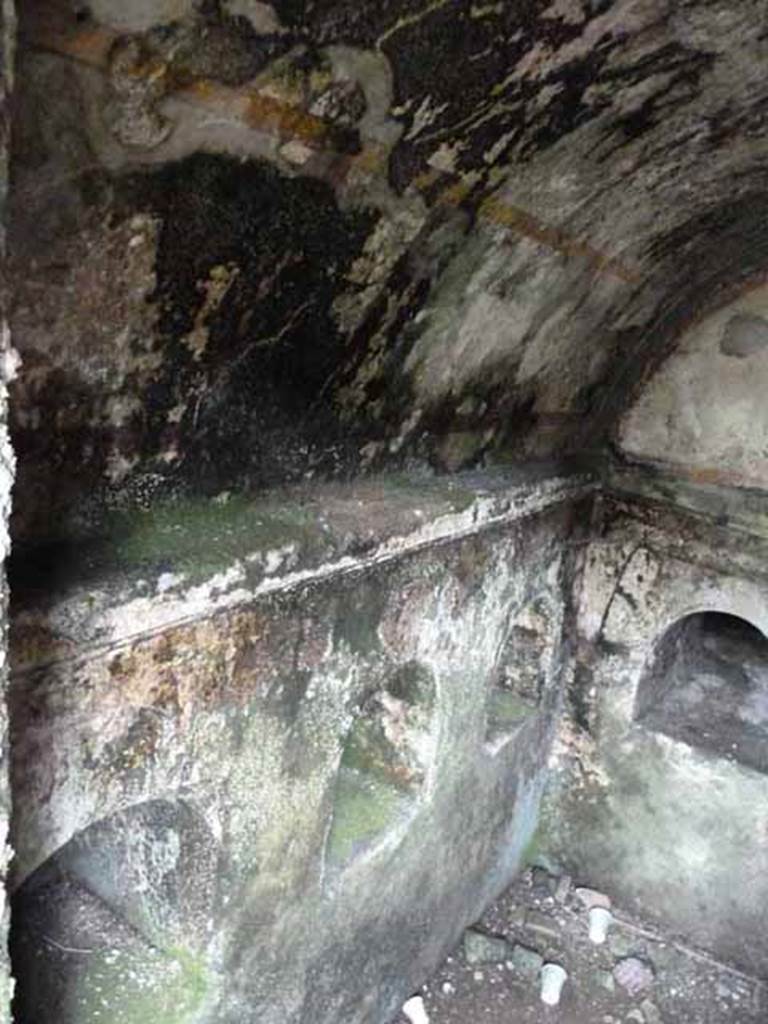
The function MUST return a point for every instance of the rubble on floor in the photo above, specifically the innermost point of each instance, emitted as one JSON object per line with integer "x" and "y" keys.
{"x": 635, "y": 975}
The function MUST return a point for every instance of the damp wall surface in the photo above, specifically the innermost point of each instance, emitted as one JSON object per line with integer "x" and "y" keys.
{"x": 258, "y": 243}
{"x": 278, "y": 789}
{"x": 7, "y": 469}
{"x": 666, "y": 810}
{"x": 701, "y": 416}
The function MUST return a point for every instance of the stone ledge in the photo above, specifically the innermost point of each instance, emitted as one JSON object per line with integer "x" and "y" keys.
{"x": 154, "y": 570}
{"x": 717, "y": 500}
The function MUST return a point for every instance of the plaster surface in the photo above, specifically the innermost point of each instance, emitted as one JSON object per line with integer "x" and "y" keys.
{"x": 702, "y": 414}
{"x": 675, "y": 826}
{"x": 8, "y": 368}
{"x": 311, "y": 241}
{"x": 285, "y": 806}
{"x": 297, "y": 288}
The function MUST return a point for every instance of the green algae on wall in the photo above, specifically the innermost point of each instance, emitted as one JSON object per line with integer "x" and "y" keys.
{"x": 198, "y": 536}
{"x": 322, "y": 867}
{"x": 366, "y": 806}
{"x": 140, "y": 986}
{"x": 508, "y": 709}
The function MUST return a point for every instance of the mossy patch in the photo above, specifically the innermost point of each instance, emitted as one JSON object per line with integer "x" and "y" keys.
{"x": 365, "y": 808}
{"x": 506, "y": 709}
{"x": 198, "y": 537}
{"x": 136, "y": 986}
{"x": 194, "y": 538}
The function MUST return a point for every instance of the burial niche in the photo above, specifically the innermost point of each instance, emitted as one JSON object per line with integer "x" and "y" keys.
{"x": 384, "y": 766}
{"x": 115, "y": 925}
{"x": 522, "y": 673}
{"x": 706, "y": 684}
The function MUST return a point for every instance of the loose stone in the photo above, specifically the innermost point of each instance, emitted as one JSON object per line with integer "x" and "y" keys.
{"x": 651, "y": 1014}
{"x": 553, "y": 977}
{"x": 592, "y": 898}
{"x": 526, "y": 961}
{"x": 542, "y": 925}
{"x": 484, "y": 949}
{"x": 563, "y": 888}
{"x": 605, "y": 980}
{"x": 633, "y": 974}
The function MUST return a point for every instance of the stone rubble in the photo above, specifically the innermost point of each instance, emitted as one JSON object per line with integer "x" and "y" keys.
{"x": 542, "y": 925}
{"x": 633, "y": 974}
{"x": 484, "y": 949}
{"x": 591, "y": 898}
{"x": 634, "y": 978}
{"x": 525, "y": 961}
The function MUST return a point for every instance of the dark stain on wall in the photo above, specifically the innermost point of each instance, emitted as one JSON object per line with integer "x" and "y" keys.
{"x": 281, "y": 247}
{"x": 235, "y": 373}
{"x": 242, "y": 343}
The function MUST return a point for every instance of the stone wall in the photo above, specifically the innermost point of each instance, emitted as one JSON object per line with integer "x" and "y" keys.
{"x": 277, "y": 784}
{"x": 287, "y": 245}
{"x": 671, "y": 822}
{"x": 8, "y": 365}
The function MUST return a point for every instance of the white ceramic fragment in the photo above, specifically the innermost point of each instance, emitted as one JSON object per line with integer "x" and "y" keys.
{"x": 415, "y": 1010}
{"x": 553, "y": 977}
{"x": 599, "y": 922}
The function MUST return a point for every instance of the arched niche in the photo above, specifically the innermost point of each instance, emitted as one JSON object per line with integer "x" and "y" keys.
{"x": 114, "y": 926}
{"x": 384, "y": 766}
{"x": 523, "y": 671}
{"x": 706, "y": 684}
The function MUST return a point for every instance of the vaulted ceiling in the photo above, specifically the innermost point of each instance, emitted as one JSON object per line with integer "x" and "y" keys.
{"x": 255, "y": 243}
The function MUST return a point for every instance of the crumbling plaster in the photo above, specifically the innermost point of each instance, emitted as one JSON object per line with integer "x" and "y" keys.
{"x": 662, "y": 823}
{"x": 237, "y": 711}
{"x": 258, "y": 252}
{"x": 702, "y": 415}
{"x": 8, "y": 366}
{"x": 512, "y": 225}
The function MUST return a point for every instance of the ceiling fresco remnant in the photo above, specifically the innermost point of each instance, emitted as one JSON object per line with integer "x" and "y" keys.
{"x": 319, "y": 239}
